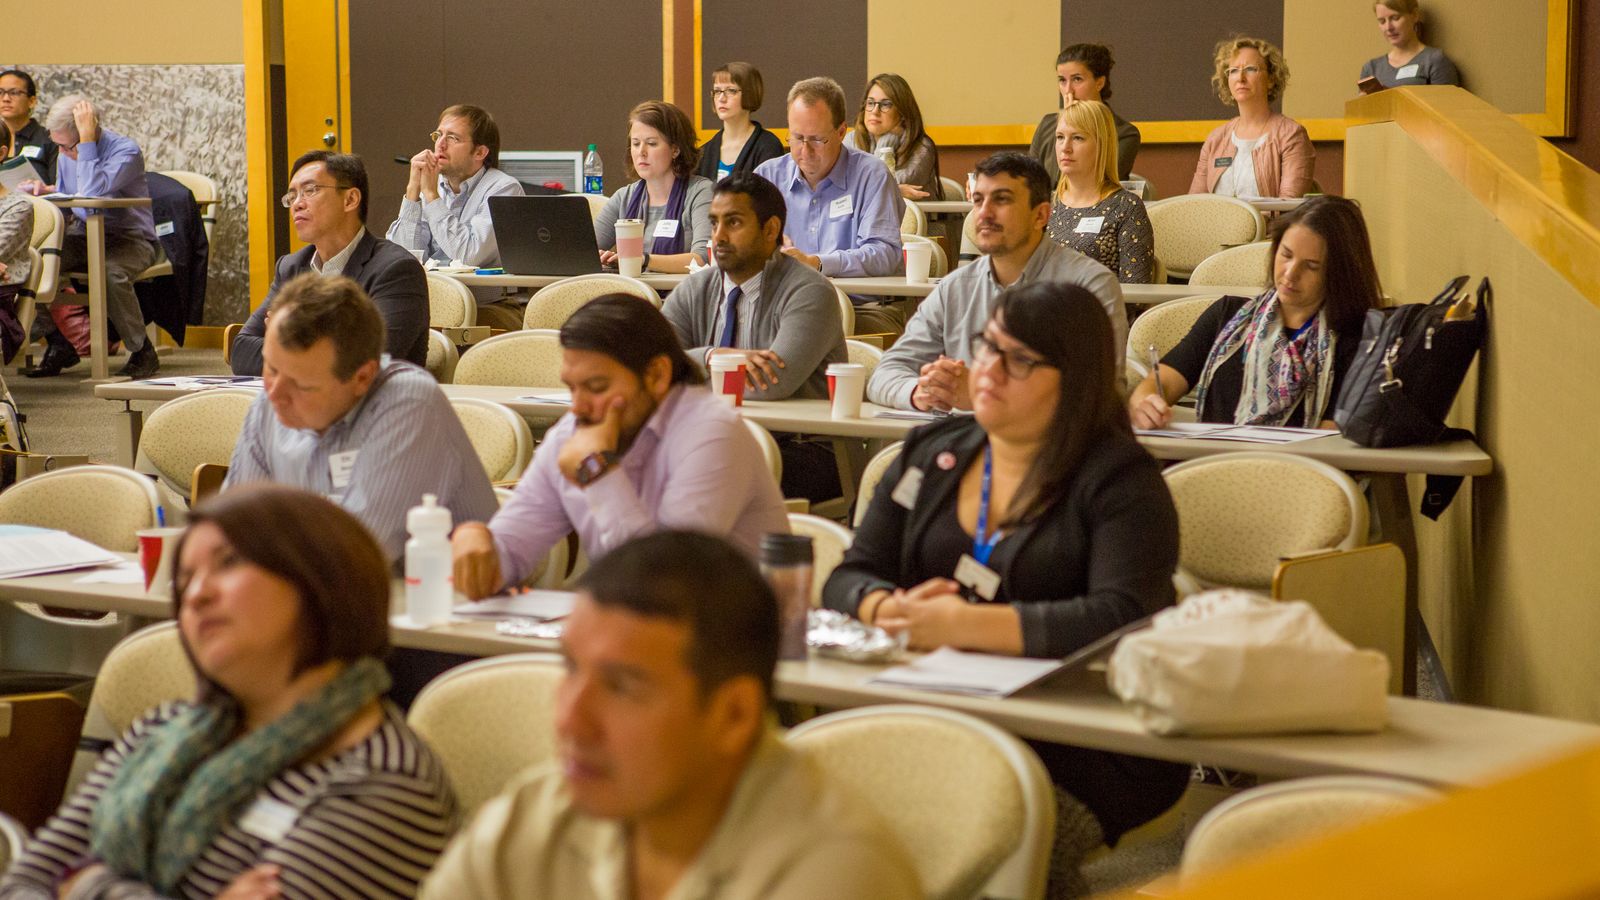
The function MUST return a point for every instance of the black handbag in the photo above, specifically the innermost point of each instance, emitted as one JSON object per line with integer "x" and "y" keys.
{"x": 1408, "y": 371}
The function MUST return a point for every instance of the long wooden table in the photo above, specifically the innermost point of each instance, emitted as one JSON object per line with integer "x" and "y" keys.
{"x": 1436, "y": 743}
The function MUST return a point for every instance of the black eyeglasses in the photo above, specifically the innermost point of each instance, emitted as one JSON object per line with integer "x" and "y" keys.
{"x": 13, "y": 93}
{"x": 1017, "y": 364}
{"x": 879, "y": 105}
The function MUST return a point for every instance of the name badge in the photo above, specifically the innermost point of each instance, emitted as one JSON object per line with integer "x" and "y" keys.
{"x": 164, "y": 228}
{"x": 340, "y": 465}
{"x": 1222, "y": 162}
{"x": 905, "y": 493}
{"x": 31, "y": 152}
{"x": 843, "y": 206}
{"x": 667, "y": 228}
{"x": 979, "y": 578}
{"x": 1407, "y": 71}
{"x": 268, "y": 819}
{"x": 1090, "y": 224}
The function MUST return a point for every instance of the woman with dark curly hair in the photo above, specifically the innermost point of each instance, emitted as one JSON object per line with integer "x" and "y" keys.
{"x": 1258, "y": 153}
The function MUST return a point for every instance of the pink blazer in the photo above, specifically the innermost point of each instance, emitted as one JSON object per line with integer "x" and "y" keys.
{"x": 1283, "y": 161}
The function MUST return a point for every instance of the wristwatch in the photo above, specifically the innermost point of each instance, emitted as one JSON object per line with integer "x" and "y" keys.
{"x": 594, "y": 465}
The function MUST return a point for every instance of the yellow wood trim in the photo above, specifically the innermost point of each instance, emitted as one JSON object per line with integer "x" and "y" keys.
{"x": 342, "y": 72}
{"x": 258, "y": 148}
{"x": 1547, "y": 199}
{"x": 1557, "y": 70}
{"x": 699, "y": 78}
{"x": 668, "y": 60}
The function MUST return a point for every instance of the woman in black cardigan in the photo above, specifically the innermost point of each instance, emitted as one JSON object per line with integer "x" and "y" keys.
{"x": 736, "y": 92}
{"x": 1078, "y": 536}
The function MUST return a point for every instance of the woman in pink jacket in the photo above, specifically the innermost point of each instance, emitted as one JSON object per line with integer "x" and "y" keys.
{"x": 1258, "y": 153}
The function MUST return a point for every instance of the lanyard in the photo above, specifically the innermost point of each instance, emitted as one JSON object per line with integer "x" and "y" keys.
{"x": 983, "y": 544}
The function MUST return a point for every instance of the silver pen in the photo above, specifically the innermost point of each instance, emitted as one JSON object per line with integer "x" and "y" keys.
{"x": 1155, "y": 371}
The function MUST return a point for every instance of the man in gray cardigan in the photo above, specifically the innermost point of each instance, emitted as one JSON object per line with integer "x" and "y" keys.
{"x": 781, "y": 315}
{"x": 927, "y": 369}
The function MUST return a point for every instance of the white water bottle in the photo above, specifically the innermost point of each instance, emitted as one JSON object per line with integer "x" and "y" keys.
{"x": 429, "y": 588}
{"x": 594, "y": 172}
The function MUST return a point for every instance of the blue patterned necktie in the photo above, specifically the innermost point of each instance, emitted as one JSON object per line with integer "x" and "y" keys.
{"x": 730, "y": 318}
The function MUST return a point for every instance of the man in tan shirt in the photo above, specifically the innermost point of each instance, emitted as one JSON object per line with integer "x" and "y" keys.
{"x": 670, "y": 781}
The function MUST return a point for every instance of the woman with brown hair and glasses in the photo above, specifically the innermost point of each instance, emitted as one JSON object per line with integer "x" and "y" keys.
{"x": 741, "y": 144}
{"x": 673, "y": 201}
{"x": 1033, "y": 527}
{"x": 889, "y": 124}
{"x": 289, "y": 773}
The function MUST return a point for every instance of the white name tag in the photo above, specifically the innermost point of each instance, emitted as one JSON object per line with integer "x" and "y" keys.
{"x": 667, "y": 228}
{"x": 164, "y": 228}
{"x": 1090, "y": 224}
{"x": 1406, "y": 71}
{"x": 31, "y": 152}
{"x": 843, "y": 206}
{"x": 905, "y": 493}
{"x": 268, "y": 819}
{"x": 340, "y": 465}
{"x": 984, "y": 581}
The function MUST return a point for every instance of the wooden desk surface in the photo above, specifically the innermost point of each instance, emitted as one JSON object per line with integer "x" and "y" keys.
{"x": 1438, "y": 743}
{"x": 99, "y": 202}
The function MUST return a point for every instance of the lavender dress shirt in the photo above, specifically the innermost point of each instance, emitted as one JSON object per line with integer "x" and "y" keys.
{"x": 111, "y": 167}
{"x": 851, "y": 221}
{"x": 693, "y": 465}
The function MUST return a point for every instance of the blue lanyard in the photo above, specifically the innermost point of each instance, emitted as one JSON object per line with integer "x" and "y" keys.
{"x": 983, "y": 544}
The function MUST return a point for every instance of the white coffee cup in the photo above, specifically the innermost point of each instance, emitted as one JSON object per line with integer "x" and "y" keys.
{"x": 919, "y": 259}
{"x": 847, "y": 382}
{"x": 630, "y": 247}
{"x": 728, "y": 377}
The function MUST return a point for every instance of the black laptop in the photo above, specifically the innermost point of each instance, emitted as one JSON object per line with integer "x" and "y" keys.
{"x": 545, "y": 235}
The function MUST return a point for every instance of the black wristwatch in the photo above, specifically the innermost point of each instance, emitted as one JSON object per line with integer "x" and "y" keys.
{"x": 594, "y": 465}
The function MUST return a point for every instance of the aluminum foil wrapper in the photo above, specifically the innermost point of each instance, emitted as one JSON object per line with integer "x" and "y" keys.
{"x": 530, "y": 628}
{"x": 832, "y": 633}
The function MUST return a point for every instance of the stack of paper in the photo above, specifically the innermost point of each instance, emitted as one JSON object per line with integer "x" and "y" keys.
{"x": 18, "y": 169}
{"x": 200, "y": 382}
{"x": 35, "y": 551}
{"x": 542, "y": 605}
{"x": 958, "y": 672}
{"x": 562, "y": 398}
{"x": 1244, "y": 434}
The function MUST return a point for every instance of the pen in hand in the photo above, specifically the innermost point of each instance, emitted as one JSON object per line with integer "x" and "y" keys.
{"x": 1155, "y": 371}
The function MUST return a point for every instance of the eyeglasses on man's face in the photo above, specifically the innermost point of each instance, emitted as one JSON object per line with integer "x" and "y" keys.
{"x": 1018, "y": 365}
{"x": 13, "y": 93}
{"x": 879, "y": 105}
{"x": 449, "y": 138}
{"x": 309, "y": 192}
{"x": 815, "y": 143}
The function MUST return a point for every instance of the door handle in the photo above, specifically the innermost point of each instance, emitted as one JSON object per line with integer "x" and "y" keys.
{"x": 330, "y": 139}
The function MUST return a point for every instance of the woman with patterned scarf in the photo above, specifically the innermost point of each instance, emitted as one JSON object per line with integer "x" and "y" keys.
{"x": 1278, "y": 359}
{"x": 289, "y": 774}
{"x": 673, "y": 202}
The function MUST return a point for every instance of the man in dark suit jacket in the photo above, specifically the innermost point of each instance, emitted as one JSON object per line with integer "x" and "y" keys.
{"x": 327, "y": 203}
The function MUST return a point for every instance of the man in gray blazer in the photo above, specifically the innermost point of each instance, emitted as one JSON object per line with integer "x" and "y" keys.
{"x": 327, "y": 203}
{"x": 781, "y": 315}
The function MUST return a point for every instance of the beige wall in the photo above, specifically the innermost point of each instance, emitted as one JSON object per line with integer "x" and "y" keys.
{"x": 119, "y": 32}
{"x": 1499, "y": 45}
{"x": 1516, "y": 620}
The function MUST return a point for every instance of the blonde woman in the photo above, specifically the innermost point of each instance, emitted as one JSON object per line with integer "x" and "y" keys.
{"x": 1409, "y": 61}
{"x": 1092, "y": 212}
{"x": 1259, "y": 153}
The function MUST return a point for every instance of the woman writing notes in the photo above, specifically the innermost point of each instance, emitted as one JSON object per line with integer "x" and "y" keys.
{"x": 1409, "y": 61}
{"x": 741, "y": 144}
{"x": 890, "y": 122}
{"x": 1258, "y": 153}
{"x": 1279, "y": 359}
{"x": 289, "y": 774}
{"x": 1033, "y": 527}
{"x": 1092, "y": 212}
{"x": 674, "y": 203}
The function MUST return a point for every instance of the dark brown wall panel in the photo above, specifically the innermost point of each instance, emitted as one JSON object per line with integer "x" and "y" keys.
{"x": 829, "y": 39}
{"x": 556, "y": 76}
{"x": 1163, "y": 49}
{"x": 1585, "y": 141}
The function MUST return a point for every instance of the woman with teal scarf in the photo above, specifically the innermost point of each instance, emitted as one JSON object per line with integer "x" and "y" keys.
{"x": 289, "y": 774}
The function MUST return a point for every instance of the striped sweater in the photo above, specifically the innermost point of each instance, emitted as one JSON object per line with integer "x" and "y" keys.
{"x": 371, "y": 822}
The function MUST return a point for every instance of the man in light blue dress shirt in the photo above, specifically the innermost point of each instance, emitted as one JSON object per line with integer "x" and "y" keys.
{"x": 445, "y": 213}
{"x": 844, "y": 206}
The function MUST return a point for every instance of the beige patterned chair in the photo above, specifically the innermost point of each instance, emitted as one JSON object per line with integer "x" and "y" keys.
{"x": 515, "y": 359}
{"x": 941, "y": 263}
{"x": 1247, "y": 264}
{"x": 49, "y": 230}
{"x": 501, "y": 437}
{"x": 847, "y": 311}
{"x": 970, "y": 803}
{"x": 864, "y": 354}
{"x": 1191, "y": 227}
{"x": 596, "y": 203}
{"x": 969, "y": 240}
{"x": 829, "y": 540}
{"x": 488, "y": 721}
{"x": 553, "y": 304}
{"x": 769, "y": 449}
{"x": 1250, "y": 824}
{"x": 870, "y": 476}
{"x": 1239, "y": 513}
{"x": 442, "y": 356}
{"x": 915, "y": 221}
{"x": 204, "y": 190}
{"x": 1163, "y": 325}
{"x": 145, "y": 669}
{"x": 202, "y": 427}
{"x": 450, "y": 303}
{"x": 951, "y": 189}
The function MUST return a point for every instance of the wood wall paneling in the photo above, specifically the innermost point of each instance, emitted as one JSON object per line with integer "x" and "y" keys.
{"x": 829, "y": 39}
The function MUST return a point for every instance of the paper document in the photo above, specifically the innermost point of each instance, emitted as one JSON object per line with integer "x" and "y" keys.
{"x": 198, "y": 382}
{"x": 915, "y": 415}
{"x": 121, "y": 573}
{"x": 539, "y": 604}
{"x": 562, "y": 398}
{"x": 958, "y": 672}
{"x": 1244, "y": 434}
{"x": 43, "y": 552}
{"x": 17, "y": 169}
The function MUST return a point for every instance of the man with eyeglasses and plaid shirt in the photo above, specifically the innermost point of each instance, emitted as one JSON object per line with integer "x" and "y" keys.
{"x": 327, "y": 203}
{"x": 444, "y": 215}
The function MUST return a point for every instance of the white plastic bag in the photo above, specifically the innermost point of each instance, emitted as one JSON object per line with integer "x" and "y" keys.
{"x": 1231, "y": 662}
